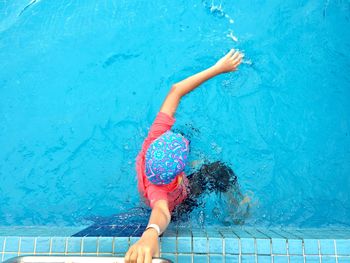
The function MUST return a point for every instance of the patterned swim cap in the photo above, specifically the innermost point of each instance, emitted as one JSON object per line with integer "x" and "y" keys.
{"x": 166, "y": 158}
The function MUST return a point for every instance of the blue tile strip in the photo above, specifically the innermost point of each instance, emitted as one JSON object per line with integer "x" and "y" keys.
{"x": 200, "y": 245}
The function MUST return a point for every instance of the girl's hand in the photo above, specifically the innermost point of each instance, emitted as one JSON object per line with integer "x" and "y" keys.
{"x": 229, "y": 62}
{"x": 144, "y": 249}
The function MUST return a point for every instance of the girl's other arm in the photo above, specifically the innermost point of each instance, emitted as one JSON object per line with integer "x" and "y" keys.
{"x": 228, "y": 63}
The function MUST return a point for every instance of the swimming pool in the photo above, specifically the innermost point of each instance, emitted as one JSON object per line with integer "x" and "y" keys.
{"x": 81, "y": 81}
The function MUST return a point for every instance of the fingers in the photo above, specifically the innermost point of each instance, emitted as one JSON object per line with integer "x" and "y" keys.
{"x": 230, "y": 53}
{"x": 131, "y": 256}
{"x": 137, "y": 256}
{"x": 140, "y": 257}
{"x": 237, "y": 61}
{"x": 127, "y": 256}
{"x": 148, "y": 258}
{"x": 235, "y": 56}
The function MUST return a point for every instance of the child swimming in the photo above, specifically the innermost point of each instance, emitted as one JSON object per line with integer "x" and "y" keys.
{"x": 160, "y": 164}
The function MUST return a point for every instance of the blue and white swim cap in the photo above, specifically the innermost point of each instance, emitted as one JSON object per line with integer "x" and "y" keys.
{"x": 166, "y": 158}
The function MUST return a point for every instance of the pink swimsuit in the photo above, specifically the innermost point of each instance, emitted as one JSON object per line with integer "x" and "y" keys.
{"x": 176, "y": 191}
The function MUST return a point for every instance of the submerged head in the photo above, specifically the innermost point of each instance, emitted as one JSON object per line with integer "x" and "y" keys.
{"x": 166, "y": 158}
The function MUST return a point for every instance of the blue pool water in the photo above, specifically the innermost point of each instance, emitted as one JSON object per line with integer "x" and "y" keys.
{"x": 81, "y": 81}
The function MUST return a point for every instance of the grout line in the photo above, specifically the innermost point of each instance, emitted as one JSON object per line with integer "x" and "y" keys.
{"x": 272, "y": 258}
{"x": 82, "y": 245}
{"x": 240, "y": 250}
{"x": 303, "y": 248}
{"x": 50, "y": 246}
{"x": 319, "y": 250}
{"x": 192, "y": 254}
{"x": 3, "y": 249}
{"x": 287, "y": 250}
{"x": 278, "y": 234}
{"x": 34, "y": 252}
{"x": 255, "y": 251}
{"x": 97, "y": 245}
{"x": 335, "y": 251}
{"x": 265, "y": 236}
{"x": 236, "y": 236}
{"x": 176, "y": 245}
{"x": 223, "y": 248}
{"x": 206, "y": 235}
{"x": 66, "y": 246}
{"x": 292, "y": 234}
{"x": 113, "y": 245}
{"x": 19, "y": 246}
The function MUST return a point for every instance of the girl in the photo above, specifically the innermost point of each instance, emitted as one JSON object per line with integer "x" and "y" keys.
{"x": 161, "y": 161}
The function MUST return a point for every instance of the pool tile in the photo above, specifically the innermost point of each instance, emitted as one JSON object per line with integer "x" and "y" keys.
{"x": 42, "y": 245}
{"x": 264, "y": 259}
{"x": 9, "y": 255}
{"x": 343, "y": 247}
{"x": 133, "y": 240}
{"x": 296, "y": 259}
{"x": 58, "y": 244}
{"x": 2, "y": 244}
{"x": 184, "y": 244}
{"x": 74, "y": 245}
{"x": 168, "y": 244}
{"x": 27, "y": 245}
{"x": 280, "y": 259}
{"x": 327, "y": 247}
{"x": 312, "y": 259}
{"x": 89, "y": 245}
{"x": 247, "y": 245}
{"x": 295, "y": 247}
{"x": 200, "y": 245}
{"x": 105, "y": 245}
{"x": 279, "y": 246}
{"x": 231, "y": 245}
{"x": 231, "y": 259}
{"x": 216, "y": 259}
{"x": 311, "y": 246}
{"x": 121, "y": 244}
{"x": 328, "y": 259}
{"x": 215, "y": 245}
{"x": 171, "y": 257}
{"x": 343, "y": 259}
{"x": 263, "y": 246}
{"x": 248, "y": 259}
{"x": 11, "y": 244}
{"x": 200, "y": 258}
{"x": 184, "y": 258}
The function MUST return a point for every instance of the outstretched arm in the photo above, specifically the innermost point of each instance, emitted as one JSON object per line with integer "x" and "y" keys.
{"x": 148, "y": 246}
{"x": 228, "y": 63}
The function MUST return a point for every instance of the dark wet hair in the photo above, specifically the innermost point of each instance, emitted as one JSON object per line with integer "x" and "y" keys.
{"x": 211, "y": 177}
{"x": 216, "y": 176}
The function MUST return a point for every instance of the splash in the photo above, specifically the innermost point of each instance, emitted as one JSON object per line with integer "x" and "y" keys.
{"x": 218, "y": 11}
{"x": 232, "y": 36}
